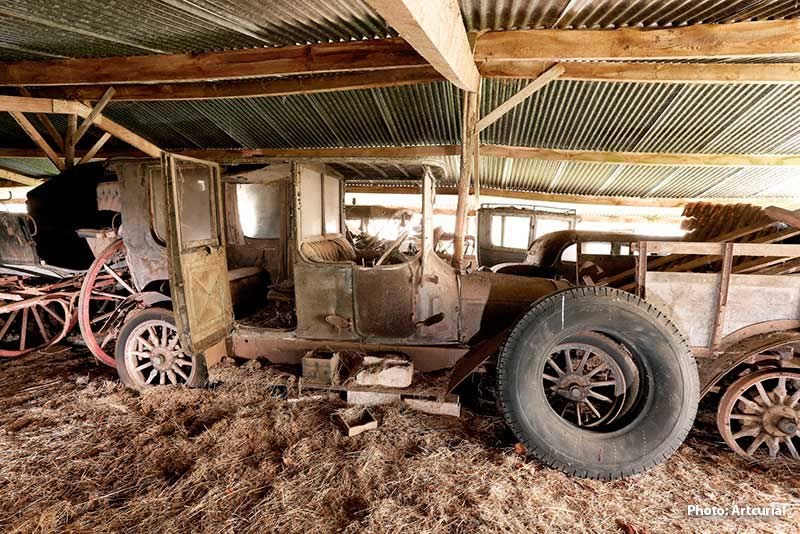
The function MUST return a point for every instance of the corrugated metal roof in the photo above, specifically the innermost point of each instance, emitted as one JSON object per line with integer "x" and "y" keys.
{"x": 515, "y": 14}
{"x": 739, "y": 118}
{"x": 95, "y": 28}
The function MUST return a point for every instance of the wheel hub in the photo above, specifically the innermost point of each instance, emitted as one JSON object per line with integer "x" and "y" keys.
{"x": 586, "y": 387}
{"x": 162, "y": 358}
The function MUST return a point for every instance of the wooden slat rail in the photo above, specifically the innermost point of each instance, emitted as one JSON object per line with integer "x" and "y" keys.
{"x": 718, "y": 249}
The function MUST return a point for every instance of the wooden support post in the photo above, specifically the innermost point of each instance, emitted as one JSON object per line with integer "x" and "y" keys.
{"x": 37, "y": 138}
{"x": 470, "y": 117}
{"x": 96, "y": 110}
{"x": 722, "y": 299}
{"x": 95, "y": 148}
{"x": 641, "y": 269}
{"x": 546, "y": 77}
{"x": 69, "y": 142}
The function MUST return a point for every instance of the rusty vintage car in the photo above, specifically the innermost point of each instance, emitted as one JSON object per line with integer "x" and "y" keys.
{"x": 255, "y": 263}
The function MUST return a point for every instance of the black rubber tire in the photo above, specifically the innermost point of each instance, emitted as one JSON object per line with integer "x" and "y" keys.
{"x": 197, "y": 378}
{"x": 667, "y": 371}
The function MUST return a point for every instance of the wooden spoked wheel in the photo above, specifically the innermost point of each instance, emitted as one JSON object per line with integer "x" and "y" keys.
{"x": 104, "y": 301}
{"x": 760, "y": 412}
{"x": 34, "y": 324}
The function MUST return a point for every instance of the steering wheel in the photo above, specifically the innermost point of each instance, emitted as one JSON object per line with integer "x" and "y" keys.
{"x": 395, "y": 244}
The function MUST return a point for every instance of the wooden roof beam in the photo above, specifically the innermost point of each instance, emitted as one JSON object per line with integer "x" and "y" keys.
{"x": 433, "y": 151}
{"x": 37, "y": 138}
{"x": 741, "y": 39}
{"x": 378, "y": 54}
{"x": 246, "y": 88}
{"x": 436, "y": 31}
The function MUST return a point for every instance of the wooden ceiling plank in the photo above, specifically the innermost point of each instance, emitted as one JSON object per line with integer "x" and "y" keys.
{"x": 435, "y": 30}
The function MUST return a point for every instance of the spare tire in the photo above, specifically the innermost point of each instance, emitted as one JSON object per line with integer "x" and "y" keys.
{"x": 570, "y": 348}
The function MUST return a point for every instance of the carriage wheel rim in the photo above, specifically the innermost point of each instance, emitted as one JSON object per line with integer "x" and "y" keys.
{"x": 154, "y": 356}
{"x": 758, "y": 411}
{"x": 85, "y": 319}
{"x": 580, "y": 382}
{"x": 35, "y": 315}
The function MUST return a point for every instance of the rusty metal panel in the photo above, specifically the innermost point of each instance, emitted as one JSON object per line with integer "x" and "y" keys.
{"x": 322, "y": 291}
{"x": 384, "y": 301}
{"x": 146, "y": 256}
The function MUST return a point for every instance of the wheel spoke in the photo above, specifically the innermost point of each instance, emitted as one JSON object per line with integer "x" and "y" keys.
{"x": 40, "y": 324}
{"x": 598, "y": 396}
{"x": 179, "y": 361}
{"x": 748, "y": 431}
{"x": 152, "y": 375}
{"x": 8, "y": 323}
{"x": 144, "y": 366}
{"x": 553, "y": 364}
{"x": 53, "y": 314}
{"x": 773, "y": 445}
{"x": 745, "y": 417}
{"x": 596, "y": 370}
{"x": 761, "y": 438}
{"x": 171, "y": 376}
{"x": 763, "y": 394}
{"x": 24, "y": 329}
{"x": 583, "y": 361}
{"x": 162, "y": 376}
{"x": 602, "y": 383}
{"x": 180, "y": 372}
{"x": 118, "y": 278}
{"x": 592, "y": 407}
{"x": 790, "y": 403}
{"x": 753, "y": 406}
{"x": 780, "y": 390}
{"x": 549, "y": 377}
{"x": 790, "y": 445}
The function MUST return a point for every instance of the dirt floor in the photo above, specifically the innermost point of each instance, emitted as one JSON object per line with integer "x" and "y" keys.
{"x": 80, "y": 453}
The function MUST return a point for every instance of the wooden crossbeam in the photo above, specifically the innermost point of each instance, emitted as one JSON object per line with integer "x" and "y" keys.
{"x": 37, "y": 138}
{"x": 96, "y": 110}
{"x": 742, "y": 39}
{"x": 435, "y": 30}
{"x": 228, "y": 65}
{"x": 92, "y": 152}
{"x": 493, "y": 116}
{"x": 69, "y": 141}
{"x": 8, "y": 174}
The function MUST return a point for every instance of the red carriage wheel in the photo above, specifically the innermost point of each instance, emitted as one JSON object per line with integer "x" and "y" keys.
{"x": 33, "y": 324}
{"x": 105, "y": 300}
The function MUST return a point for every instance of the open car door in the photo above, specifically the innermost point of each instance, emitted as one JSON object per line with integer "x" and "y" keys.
{"x": 196, "y": 248}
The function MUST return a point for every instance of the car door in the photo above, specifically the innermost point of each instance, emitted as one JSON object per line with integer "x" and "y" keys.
{"x": 196, "y": 249}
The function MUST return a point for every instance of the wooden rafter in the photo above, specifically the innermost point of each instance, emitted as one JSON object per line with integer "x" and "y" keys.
{"x": 742, "y": 39}
{"x": 69, "y": 141}
{"x": 435, "y": 30}
{"x": 37, "y": 138}
{"x": 526, "y": 92}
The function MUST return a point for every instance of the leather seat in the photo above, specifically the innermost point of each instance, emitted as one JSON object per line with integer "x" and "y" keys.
{"x": 328, "y": 251}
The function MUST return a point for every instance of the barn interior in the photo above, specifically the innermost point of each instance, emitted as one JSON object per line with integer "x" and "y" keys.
{"x": 497, "y": 134}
